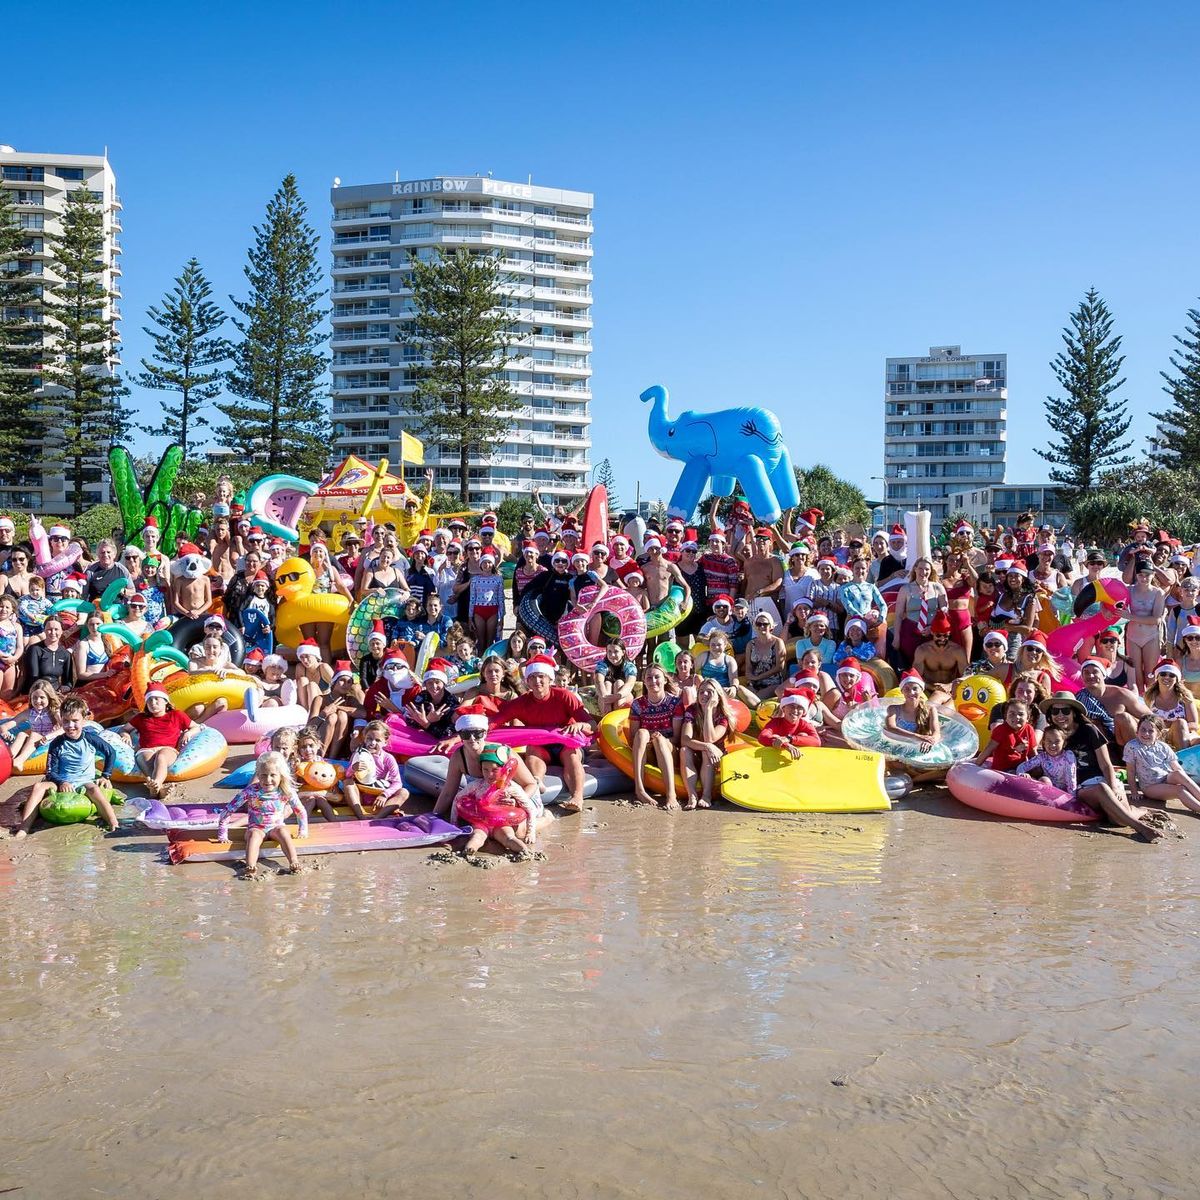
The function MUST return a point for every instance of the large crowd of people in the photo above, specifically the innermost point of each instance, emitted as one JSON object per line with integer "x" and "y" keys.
{"x": 807, "y": 617}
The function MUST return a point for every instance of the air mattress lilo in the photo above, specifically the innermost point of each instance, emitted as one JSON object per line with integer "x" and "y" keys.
{"x": 340, "y": 837}
{"x": 427, "y": 773}
{"x": 407, "y": 741}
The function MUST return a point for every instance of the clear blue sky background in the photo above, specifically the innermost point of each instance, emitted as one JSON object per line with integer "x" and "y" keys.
{"x": 785, "y": 193}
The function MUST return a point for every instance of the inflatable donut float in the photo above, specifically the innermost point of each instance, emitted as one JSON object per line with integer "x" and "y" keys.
{"x": 123, "y": 764}
{"x": 1018, "y": 797}
{"x": 190, "y": 632}
{"x": 204, "y": 753}
{"x": 380, "y": 605}
{"x": 530, "y": 613}
{"x": 572, "y": 629}
{"x": 664, "y": 616}
{"x": 203, "y": 687}
{"x": 243, "y": 726}
{"x": 863, "y": 729}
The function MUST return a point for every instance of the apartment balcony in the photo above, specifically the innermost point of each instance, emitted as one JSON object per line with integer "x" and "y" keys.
{"x": 376, "y": 262}
{"x": 578, "y": 224}
{"x": 364, "y": 239}
{"x": 583, "y": 345}
{"x": 571, "y": 295}
{"x": 348, "y": 312}
{"x": 568, "y": 246}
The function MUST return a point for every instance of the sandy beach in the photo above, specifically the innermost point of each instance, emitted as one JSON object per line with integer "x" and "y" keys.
{"x": 924, "y": 1003}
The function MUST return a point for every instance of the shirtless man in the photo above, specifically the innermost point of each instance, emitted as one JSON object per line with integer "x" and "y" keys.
{"x": 763, "y": 576}
{"x": 940, "y": 660}
{"x": 1114, "y": 710}
{"x": 659, "y": 573}
{"x": 191, "y": 588}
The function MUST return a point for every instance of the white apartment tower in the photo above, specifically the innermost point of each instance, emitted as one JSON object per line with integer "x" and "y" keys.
{"x": 39, "y": 184}
{"x": 945, "y": 418}
{"x": 542, "y": 239}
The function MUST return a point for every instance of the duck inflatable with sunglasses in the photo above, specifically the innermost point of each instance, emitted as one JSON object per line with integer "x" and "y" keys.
{"x": 299, "y": 605}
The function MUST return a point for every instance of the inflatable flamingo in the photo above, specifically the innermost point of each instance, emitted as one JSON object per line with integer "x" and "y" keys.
{"x": 1063, "y": 644}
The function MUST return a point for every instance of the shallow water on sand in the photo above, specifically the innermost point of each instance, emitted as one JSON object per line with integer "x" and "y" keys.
{"x": 916, "y": 1004}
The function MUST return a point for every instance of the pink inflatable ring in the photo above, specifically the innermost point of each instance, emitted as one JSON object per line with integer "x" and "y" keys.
{"x": 1018, "y": 797}
{"x": 572, "y": 629}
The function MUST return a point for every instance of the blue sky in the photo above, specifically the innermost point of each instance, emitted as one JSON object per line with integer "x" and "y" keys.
{"x": 785, "y": 193}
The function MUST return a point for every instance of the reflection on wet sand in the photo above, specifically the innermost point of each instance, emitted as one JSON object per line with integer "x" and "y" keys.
{"x": 724, "y": 1004}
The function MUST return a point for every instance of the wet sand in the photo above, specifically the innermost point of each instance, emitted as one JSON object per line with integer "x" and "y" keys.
{"x": 924, "y": 1003}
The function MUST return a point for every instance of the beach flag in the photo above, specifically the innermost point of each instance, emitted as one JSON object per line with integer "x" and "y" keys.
{"x": 412, "y": 450}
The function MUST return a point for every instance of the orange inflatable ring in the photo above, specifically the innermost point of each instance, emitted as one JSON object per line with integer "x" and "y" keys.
{"x": 572, "y": 628}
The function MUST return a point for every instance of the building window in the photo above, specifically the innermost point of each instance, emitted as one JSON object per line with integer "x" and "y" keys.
{"x": 72, "y": 173}
{"x": 25, "y": 174}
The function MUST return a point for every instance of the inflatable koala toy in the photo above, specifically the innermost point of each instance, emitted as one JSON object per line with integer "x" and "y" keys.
{"x": 190, "y": 563}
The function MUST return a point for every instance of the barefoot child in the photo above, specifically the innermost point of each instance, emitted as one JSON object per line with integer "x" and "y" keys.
{"x": 652, "y": 732}
{"x": 71, "y": 767}
{"x": 1154, "y": 768}
{"x": 515, "y": 830}
{"x": 790, "y": 729}
{"x": 162, "y": 734}
{"x": 267, "y": 800}
{"x": 1054, "y": 762}
{"x": 43, "y": 723}
{"x": 308, "y": 754}
{"x": 373, "y": 766}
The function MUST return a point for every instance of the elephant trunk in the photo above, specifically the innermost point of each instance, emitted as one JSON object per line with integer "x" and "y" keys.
{"x": 660, "y": 423}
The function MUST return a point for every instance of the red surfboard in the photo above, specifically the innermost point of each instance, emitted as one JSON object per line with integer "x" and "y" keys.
{"x": 595, "y": 518}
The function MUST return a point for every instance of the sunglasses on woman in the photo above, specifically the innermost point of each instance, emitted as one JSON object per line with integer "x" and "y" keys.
{"x": 1059, "y": 711}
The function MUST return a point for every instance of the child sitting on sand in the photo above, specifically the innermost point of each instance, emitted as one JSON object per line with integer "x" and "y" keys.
{"x": 308, "y": 753}
{"x": 914, "y": 719}
{"x": 516, "y": 829}
{"x": 652, "y": 719}
{"x": 372, "y": 766}
{"x": 267, "y": 800}
{"x": 1054, "y": 762}
{"x": 1011, "y": 741}
{"x": 71, "y": 767}
{"x": 1154, "y": 768}
{"x": 42, "y": 723}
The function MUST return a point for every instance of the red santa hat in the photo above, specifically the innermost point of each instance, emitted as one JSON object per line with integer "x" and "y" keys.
{"x": 911, "y": 677}
{"x": 1168, "y": 666}
{"x": 963, "y": 527}
{"x": 940, "y": 623}
{"x": 75, "y": 581}
{"x": 253, "y": 656}
{"x": 185, "y": 548}
{"x": 1095, "y": 661}
{"x": 439, "y": 668}
{"x": 342, "y": 670}
{"x": 898, "y": 533}
{"x": 540, "y": 664}
{"x": 488, "y": 518}
{"x": 723, "y": 599}
{"x": 850, "y": 666}
{"x": 803, "y": 695}
{"x": 156, "y": 689}
{"x": 378, "y": 633}
{"x": 635, "y": 577}
{"x": 651, "y": 543}
{"x": 395, "y": 663}
{"x": 809, "y": 518}
{"x": 471, "y": 718}
{"x": 308, "y": 649}
{"x": 996, "y": 637}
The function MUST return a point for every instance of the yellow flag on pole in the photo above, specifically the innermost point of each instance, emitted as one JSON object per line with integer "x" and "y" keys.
{"x": 412, "y": 450}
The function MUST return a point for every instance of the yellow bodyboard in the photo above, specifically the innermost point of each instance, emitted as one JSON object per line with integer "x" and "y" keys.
{"x": 821, "y": 780}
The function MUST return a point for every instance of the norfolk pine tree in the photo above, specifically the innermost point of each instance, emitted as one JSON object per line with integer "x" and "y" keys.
{"x": 1089, "y": 421}
{"x": 20, "y": 345}
{"x": 464, "y": 333}
{"x": 83, "y": 393}
{"x": 186, "y": 342}
{"x": 281, "y": 421}
{"x": 1178, "y": 440}
{"x": 605, "y": 474}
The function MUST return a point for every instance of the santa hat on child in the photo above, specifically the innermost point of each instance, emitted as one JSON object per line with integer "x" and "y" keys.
{"x": 308, "y": 649}
{"x": 377, "y": 634}
{"x": 911, "y": 677}
{"x": 342, "y": 670}
{"x": 540, "y": 664}
{"x": 471, "y": 718}
{"x": 439, "y": 669}
{"x": 850, "y": 666}
{"x": 158, "y": 690}
{"x": 809, "y": 517}
{"x": 803, "y": 696}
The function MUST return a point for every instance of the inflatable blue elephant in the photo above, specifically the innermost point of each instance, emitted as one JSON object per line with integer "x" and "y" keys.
{"x": 735, "y": 445}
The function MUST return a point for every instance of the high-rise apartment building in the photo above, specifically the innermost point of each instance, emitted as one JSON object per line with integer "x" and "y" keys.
{"x": 39, "y": 184}
{"x": 542, "y": 239}
{"x": 945, "y": 418}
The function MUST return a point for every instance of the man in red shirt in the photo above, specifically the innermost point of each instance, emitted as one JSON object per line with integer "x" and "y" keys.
{"x": 545, "y": 706}
{"x": 162, "y": 734}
